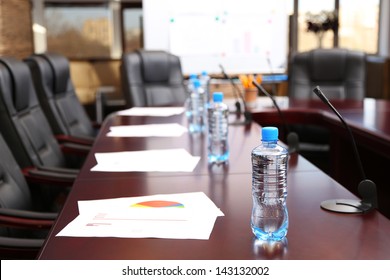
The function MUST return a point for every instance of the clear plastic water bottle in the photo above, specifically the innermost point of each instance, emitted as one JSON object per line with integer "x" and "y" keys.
{"x": 196, "y": 109}
{"x": 218, "y": 127}
{"x": 269, "y": 219}
{"x": 205, "y": 84}
{"x": 190, "y": 83}
{"x": 190, "y": 89}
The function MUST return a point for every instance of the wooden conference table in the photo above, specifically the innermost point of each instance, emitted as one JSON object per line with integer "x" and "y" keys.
{"x": 313, "y": 232}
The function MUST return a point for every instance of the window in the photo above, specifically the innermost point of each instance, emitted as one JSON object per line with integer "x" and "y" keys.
{"x": 358, "y": 25}
{"x": 85, "y": 30}
{"x": 359, "y": 20}
{"x": 310, "y": 40}
{"x": 132, "y": 29}
{"x": 79, "y": 31}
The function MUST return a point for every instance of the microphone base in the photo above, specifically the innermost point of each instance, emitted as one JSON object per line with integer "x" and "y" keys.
{"x": 293, "y": 142}
{"x": 239, "y": 122}
{"x": 246, "y": 121}
{"x": 346, "y": 206}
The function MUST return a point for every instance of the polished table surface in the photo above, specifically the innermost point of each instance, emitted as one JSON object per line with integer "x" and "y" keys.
{"x": 313, "y": 232}
{"x": 368, "y": 117}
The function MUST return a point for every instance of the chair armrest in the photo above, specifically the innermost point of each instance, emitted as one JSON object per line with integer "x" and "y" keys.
{"x": 26, "y": 219}
{"x": 59, "y": 169}
{"x": 100, "y": 103}
{"x": 96, "y": 125}
{"x": 48, "y": 177}
{"x": 76, "y": 149}
{"x": 23, "y": 243}
{"x": 20, "y": 248}
{"x": 88, "y": 141}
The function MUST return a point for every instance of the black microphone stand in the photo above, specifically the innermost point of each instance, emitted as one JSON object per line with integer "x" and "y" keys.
{"x": 238, "y": 96}
{"x": 236, "y": 91}
{"x": 366, "y": 188}
{"x": 291, "y": 137}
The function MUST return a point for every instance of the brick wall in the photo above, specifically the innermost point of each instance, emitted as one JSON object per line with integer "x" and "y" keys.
{"x": 16, "y": 37}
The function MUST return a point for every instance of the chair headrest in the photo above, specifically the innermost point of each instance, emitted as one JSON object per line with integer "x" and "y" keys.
{"x": 328, "y": 64}
{"x": 155, "y": 66}
{"x": 22, "y": 82}
{"x": 61, "y": 72}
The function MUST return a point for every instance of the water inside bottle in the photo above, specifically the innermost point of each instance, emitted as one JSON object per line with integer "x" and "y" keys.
{"x": 269, "y": 191}
{"x": 218, "y": 149}
{"x": 196, "y": 115}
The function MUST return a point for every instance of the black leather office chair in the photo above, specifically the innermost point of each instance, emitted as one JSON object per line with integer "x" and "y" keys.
{"x": 341, "y": 75}
{"x": 58, "y": 99}
{"x": 152, "y": 78}
{"x": 25, "y": 127}
{"x": 339, "y": 72}
{"x": 22, "y": 228}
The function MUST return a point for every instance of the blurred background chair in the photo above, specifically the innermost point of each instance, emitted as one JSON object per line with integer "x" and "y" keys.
{"x": 58, "y": 99}
{"x": 341, "y": 74}
{"x": 26, "y": 129}
{"x": 152, "y": 78}
{"x": 23, "y": 225}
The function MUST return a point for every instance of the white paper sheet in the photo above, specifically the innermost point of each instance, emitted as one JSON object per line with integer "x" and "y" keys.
{"x": 179, "y": 216}
{"x": 89, "y": 226}
{"x": 193, "y": 202}
{"x": 152, "y": 111}
{"x": 167, "y": 160}
{"x": 147, "y": 130}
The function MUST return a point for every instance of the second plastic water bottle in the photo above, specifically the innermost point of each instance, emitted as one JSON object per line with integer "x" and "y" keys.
{"x": 205, "y": 83}
{"x": 196, "y": 109}
{"x": 218, "y": 127}
{"x": 269, "y": 219}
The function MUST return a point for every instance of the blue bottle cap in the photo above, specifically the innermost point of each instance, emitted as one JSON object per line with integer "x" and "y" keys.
{"x": 269, "y": 133}
{"x": 196, "y": 83}
{"x": 217, "y": 96}
{"x": 193, "y": 76}
{"x": 204, "y": 73}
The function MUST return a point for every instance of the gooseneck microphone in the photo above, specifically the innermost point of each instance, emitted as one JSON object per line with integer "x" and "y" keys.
{"x": 292, "y": 138}
{"x": 236, "y": 91}
{"x": 273, "y": 85}
{"x": 366, "y": 188}
{"x": 239, "y": 97}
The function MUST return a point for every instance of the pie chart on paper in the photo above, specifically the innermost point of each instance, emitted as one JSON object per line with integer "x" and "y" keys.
{"x": 158, "y": 204}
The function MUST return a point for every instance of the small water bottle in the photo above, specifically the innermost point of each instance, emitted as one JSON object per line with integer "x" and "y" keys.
{"x": 190, "y": 89}
{"x": 218, "y": 127}
{"x": 269, "y": 219}
{"x": 196, "y": 109}
{"x": 190, "y": 82}
{"x": 205, "y": 83}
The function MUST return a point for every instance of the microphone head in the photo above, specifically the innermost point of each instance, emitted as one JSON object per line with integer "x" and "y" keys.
{"x": 260, "y": 88}
{"x": 317, "y": 91}
{"x": 223, "y": 72}
{"x": 320, "y": 94}
{"x": 255, "y": 84}
{"x": 222, "y": 69}
{"x": 293, "y": 142}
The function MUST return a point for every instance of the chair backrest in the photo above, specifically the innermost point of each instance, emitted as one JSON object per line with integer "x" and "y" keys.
{"x": 14, "y": 191}
{"x": 57, "y": 95}
{"x": 152, "y": 78}
{"x": 339, "y": 72}
{"x": 22, "y": 121}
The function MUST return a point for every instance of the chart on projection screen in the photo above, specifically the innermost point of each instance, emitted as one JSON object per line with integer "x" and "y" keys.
{"x": 245, "y": 36}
